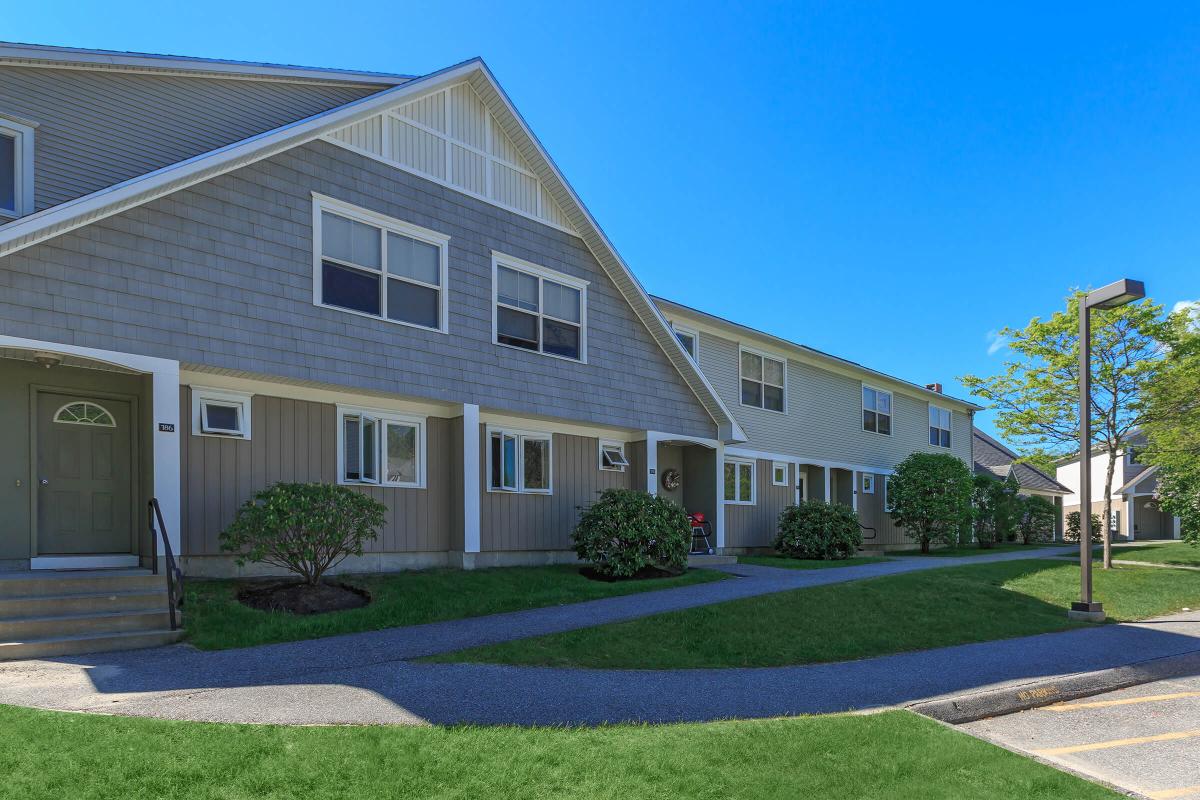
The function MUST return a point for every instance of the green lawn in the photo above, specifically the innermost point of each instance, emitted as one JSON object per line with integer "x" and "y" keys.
{"x": 1177, "y": 553}
{"x": 215, "y": 620}
{"x": 865, "y": 618}
{"x": 48, "y": 755}
{"x": 809, "y": 563}
{"x": 973, "y": 550}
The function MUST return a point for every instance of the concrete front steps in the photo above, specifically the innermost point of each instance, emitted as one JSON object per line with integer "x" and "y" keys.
{"x": 56, "y": 613}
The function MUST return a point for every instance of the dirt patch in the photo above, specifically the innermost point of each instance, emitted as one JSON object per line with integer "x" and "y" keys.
{"x": 299, "y": 598}
{"x": 645, "y": 573}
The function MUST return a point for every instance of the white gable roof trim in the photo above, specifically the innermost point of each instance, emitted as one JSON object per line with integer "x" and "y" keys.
{"x": 123, "y": 196}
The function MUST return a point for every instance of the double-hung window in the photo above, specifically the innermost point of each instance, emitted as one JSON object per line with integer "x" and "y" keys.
{"x": 876, "y": 410}
{"x": 939, "y": 426}
{"x": 539, "y": 309}
{"x": 739, "y": 481}
{"x": 16, "y": 169}
{"x": 370, "y": 264}
{"x": 519, "y": 461}
{"x": 380, "y": 447}
{"x": 764, "y": 381}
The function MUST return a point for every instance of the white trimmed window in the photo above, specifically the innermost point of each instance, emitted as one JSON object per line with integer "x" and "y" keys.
{"x": 739, "y": 481}
{"x": 16, "y": 169}
{"x": 779, "y": 473}
{"x": 868, "y": 483}
{"x": 520, "y": 461}
{"x": 876, "y": 410}
{"x": 538, "y": 309}
{"x": 370, "y": 264}
{"x": 220, "y": 412}
{"x": 887, "y": 494}
{"x": 612, "y": 456}
{"x": 764, "y": 381}
{"x": 690, "y": 339}
{"x": 939, "y": 426}
{"x": 380, "y": 447}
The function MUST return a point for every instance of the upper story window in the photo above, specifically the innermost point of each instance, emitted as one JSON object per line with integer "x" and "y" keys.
{"x": 370, "y": 264}
{"x": 16, "y": 169}
{"x": 538, "y": 309}
{"x": 764, "y": 381}
{"x": 939, "y": 427}
{"x": 690, "y": 340}
{"x": 876, "y": 410}
{"x": 380, "y": 447}
{"x": 520, "y": 461}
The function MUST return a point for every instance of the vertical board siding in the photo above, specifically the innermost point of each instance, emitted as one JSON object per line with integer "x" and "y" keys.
{"x": 295, "y": 441}
{"x": 513, "y": 521}
{"x": 366, "y": 135}
{"x": 635, "y": 454}
{"x": 871, "y": 514}
{"x": 430, "y": 111}
{"x": 418, "y": 149}
{"x": 755, "y": 525}
{"x": 96, "y": 128}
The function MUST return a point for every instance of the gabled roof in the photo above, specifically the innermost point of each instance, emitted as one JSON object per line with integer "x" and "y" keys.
{"x": 994, "y": 459}
{"x": 1137, "y": 477}
{"x": 68, "y": 216}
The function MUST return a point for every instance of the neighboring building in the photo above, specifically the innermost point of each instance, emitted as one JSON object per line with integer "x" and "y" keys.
{"x": 995, "y": 460}
{"x": 817, "y": 427}
{"x": 1136, "y": 514}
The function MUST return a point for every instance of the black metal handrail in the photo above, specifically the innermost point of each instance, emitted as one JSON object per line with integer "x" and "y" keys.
{"x": 874, "y": 533}
{"x": 174, "y": 575}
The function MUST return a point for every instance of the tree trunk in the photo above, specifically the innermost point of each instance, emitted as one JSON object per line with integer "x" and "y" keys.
{"x": 1104, "y": 522}
{"x": 924, "y": 545}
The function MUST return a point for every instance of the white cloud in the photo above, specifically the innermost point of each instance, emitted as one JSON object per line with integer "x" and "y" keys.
{"x": 1193, "y": 306}
{"x": 996, "y": 342}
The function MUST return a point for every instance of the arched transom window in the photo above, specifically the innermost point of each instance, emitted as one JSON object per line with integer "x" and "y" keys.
{"x": 84, "y": 413}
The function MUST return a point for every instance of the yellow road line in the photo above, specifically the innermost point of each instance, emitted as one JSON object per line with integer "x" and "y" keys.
{"x": 1150, "y": 698}
{"x": 1167, "y": 794}
{"x": 1080, "y": 748}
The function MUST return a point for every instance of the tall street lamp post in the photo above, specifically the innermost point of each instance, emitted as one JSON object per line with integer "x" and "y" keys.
{"x": 1111, "y": 296}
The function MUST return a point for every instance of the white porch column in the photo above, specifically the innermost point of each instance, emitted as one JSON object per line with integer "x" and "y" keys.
{"x": 854, "y": 489}
{"x": 720, "y": 478}
{"x": 652, "y": 463}
{"x": 1177, "y": 525}
{"x": 166, "y": 432}
{"x": 828, "y": 485}
{"x": 470, "y": 487}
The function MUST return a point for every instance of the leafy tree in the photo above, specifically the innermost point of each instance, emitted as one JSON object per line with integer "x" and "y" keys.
{"x": 995, "y": 508}
{"x": 1173, "y": 425}
{"x": 930, "y": 495}
{"x": 306, "y": 528}
{"x": 1037, "y": 393}
{"x": 1035, "y": 519}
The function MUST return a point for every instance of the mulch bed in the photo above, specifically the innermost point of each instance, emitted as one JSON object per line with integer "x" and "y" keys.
{"x": 299, "y": 598}
{"x": 642, "y": 574}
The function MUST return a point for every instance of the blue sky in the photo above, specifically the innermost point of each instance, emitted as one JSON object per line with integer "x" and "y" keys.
{"x": 889, "y": 183}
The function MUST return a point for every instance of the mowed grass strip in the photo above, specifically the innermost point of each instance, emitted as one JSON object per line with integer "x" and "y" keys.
{"x": 784, "y": 562}
{"x": 873, "y": 617}
{"x": 48, "y": 755}
{"x": 215, "y": 620}
{"x": 966, "y": 550}
{"x": 1179, "y": 554}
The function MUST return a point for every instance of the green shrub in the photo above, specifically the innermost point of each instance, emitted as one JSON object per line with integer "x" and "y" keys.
{"x": 995, "y": 508}
{"x": 930, "y": 494}
{"x": 1035, "y": 519}
{"x": 815, "y": 529}
{"x": 305, "y": 528}
{"x": 1071, "y": 534}
{"x": 626, "y": 531}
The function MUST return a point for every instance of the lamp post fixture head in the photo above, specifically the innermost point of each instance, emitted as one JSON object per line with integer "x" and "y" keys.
{"x": 1115, "y": 294}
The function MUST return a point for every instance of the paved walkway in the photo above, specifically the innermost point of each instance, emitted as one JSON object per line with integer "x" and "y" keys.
{"x": 368, "y": 678}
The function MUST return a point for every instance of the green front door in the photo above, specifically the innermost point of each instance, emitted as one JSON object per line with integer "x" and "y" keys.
{"x": 84, "y": 475}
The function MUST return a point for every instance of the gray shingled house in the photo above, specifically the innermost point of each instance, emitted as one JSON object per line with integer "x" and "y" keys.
{"x": 995, "y": 460}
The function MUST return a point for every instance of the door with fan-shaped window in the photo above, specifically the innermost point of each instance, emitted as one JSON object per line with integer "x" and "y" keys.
{"x": 84, "y": 475}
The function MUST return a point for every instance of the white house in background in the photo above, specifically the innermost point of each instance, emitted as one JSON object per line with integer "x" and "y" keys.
{"x": 1136, "y": 514}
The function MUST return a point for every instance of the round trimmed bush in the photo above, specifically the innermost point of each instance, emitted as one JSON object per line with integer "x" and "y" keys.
{"x": 627, "y": 531}
{"x": 815, "y": 529}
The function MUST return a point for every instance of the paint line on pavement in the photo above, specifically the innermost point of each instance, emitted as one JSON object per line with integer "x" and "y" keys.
{"x": 1168, "y": 794}
{"x": 1153, "y": 698}
{"x": 1081, "y": 748}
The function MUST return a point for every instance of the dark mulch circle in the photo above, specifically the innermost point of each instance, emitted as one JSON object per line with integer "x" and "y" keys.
{"x": 299, "y": 598}
{"x": 645, "y": 573}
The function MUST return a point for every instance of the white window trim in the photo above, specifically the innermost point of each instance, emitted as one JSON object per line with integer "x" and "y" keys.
{"x": 949, "y": 430}
{"x": 384, "y": 417}
{"x": 695, "y": 334}
{"x": 23, "y": 156}
{"x": 862, "y": 406}
{"x": 521, "y": 435}
{"x": 867, "y": 483}
{"x": 763, "y": 354}
{"x": 753, "y": 482}
{"x": 205, "y": 394}
{"x": 888, "y": 508}
{"x": 783, "y": 465}
{"x": 802, "y": 482}
{"x": 542, "y": 273}
{"x": 439, "y": 240}
{"x": 610, "y": 444}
